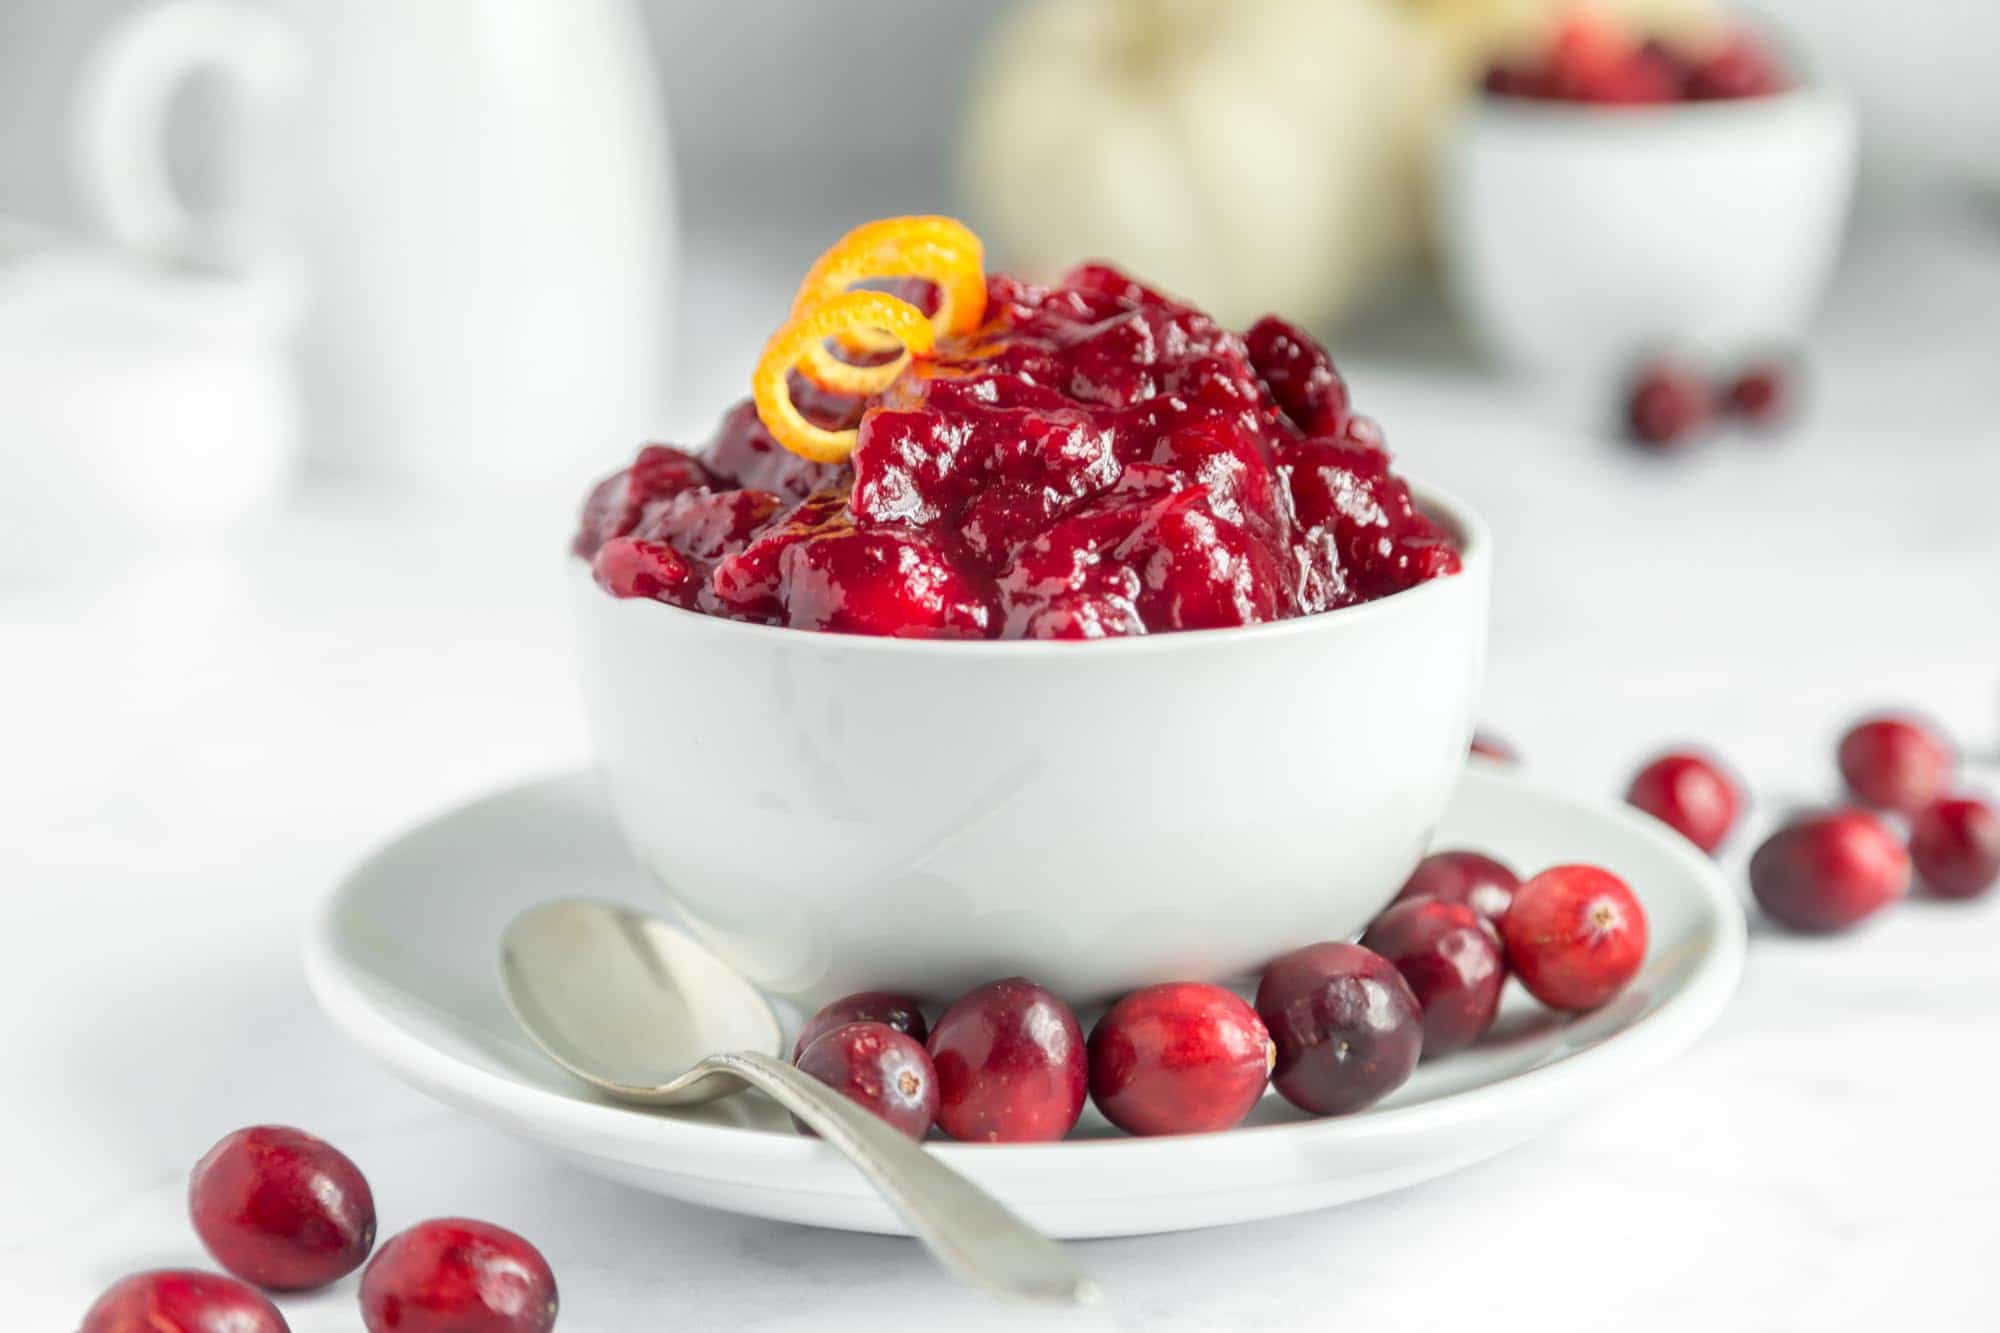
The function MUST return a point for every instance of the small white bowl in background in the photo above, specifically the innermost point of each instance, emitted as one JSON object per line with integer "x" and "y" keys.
{"x": 833, "y": 813}
{"x": 1577, "y": 237}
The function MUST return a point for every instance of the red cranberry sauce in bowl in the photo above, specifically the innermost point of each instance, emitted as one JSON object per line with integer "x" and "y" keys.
{"x": 1092, "y": 460}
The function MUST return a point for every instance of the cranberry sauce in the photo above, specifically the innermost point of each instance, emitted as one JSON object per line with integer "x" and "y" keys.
{"x": 1096, "y": 460}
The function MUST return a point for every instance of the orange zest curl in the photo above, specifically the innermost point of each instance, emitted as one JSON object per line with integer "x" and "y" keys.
{"x": 807, "y": 331}
{"x": 941, "y": 250}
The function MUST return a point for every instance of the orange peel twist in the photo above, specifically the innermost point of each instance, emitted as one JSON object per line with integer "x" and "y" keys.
{"x": 941, "y": 250}
{"x": 806, "y": 332}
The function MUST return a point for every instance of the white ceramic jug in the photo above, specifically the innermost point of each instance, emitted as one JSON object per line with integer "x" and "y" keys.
{"x": 488, "y": 226}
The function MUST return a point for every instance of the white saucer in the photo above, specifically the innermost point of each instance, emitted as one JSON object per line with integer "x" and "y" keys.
{"x": 403, "y": 959}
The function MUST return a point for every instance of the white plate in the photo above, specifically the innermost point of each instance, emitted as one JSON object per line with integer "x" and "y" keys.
{"x": 403, "y": 959}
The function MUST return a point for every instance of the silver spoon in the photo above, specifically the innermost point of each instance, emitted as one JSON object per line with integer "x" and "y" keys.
{"x": 635, "y": 1008}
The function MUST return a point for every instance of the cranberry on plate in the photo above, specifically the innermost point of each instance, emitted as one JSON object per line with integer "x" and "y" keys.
{"x": 1666, "y": 404}
{"x": 885, "y": 1072}
{"x": 282, "y": 1209}
{"x": 1179, "y": 1058}
{"x": 1348, "y": 1028}
{"x": 1955, "y": 843}
{"x": 454, "y": 1275}
{"x": 898, "y": 1010}
{"x": 1575, "y": 936}
{"x": 177, "y": 1300}
{"x": 1895, "y": 762}
{"x": 1451, "y": 957}
{"x": 1691, "y": 794}
{"x": 1473, "y": 879}
{"x": 1829, "y": 871}
{"x": 1011, "y": 1065}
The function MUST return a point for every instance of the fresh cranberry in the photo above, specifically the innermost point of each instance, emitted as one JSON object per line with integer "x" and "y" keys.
{"x": 1575, "y": 936}
{"x": 453, "y": 1275}
{"x": 885, "y": 1072}
{"x": 1955, "y": 843}
{"x": 1010, "y": 1063}
{"x": 1488, "y": 746}
{"x": 1347, "y": 1027}
{"x": 1666, "y": 404}
{"x": 1452, "y": 959}
{"x": 1829, "y": 871}
{"x": 281, "y": 1208}
{"x": 1179, "y": 1058}
{"x": 1471, "y": 879}
{"x": 1691, "y": 794}
{"x": 1895, "y": 762}
{"x": 1761, "y": 394}
{"x": 894, "y": 1008}
{"x": 181, "y": 1301}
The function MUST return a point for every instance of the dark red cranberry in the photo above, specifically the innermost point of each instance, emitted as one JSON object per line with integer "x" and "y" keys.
{"x": 282, "y": 1209}
{"x": 1488, "y": 746}
{"x": 1666, "y": 405}
{"x": 630, "y": 567}
{"x": 1760, "y": 395}
{"x": 181, "y": 1301}
{"x": 454, "y": 1275}
{"x": 1955, "y": 843}
{"x": 1895, "y": 762}
{"x": 1743, "y": 68}
{"x": 1179, "y": 1058}
{"x": 1452, "y": 959}
{"x": 1010, "y": 1063}
{"x": 1575, "y": 936}
{"x": 1299, "y": 374}
{"x": 881, "y": 581}
{"x": 885, "y": 1072}
{"x": 1691, "y": 794}
{"x": 1471, "y": 879}
{"x": 899, "y": 1011}
{"x": 1503, "y": 80}
{"x": 1347, "y": 1027}
{"x": 1829, "y": 871}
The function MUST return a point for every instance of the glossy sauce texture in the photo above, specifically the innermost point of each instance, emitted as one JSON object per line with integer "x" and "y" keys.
{"x": 1095, "y": 461}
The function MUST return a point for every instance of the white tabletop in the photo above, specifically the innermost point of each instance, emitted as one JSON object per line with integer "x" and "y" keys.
{"x": 197, "y": 745}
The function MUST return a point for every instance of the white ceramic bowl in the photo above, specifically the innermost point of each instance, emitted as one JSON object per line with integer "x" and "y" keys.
{"x": 832, "y": 813}
{"x": 1575, "y": 238}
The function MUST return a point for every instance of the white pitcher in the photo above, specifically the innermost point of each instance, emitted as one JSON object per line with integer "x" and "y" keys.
{"x": 488, "y": 224}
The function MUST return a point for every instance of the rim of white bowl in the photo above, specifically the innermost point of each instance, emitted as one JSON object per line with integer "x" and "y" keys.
{"x": 1470, "y": 535}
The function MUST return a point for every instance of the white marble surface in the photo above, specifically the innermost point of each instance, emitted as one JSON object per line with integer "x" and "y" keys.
{"x": 195, "y": 745}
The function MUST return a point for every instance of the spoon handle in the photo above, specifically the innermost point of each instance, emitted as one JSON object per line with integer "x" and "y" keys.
{"x": 965, "y": 1227}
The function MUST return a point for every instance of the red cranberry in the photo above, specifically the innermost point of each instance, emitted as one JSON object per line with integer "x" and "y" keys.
{"x": 1689, "y": 793}
{"x": 1010, "y": 1064}
{"x": 1761, "y": 395}
{"x": 1470, "y": 879}
{"x": 1895, "y": 762}
{"x": 1299, "y": 374}
{"x": 1575, "y": 936}
{"x": 899, "y": 1011}
{"x": 885, "y": 1072}
{"x": 453, "y": 1275}
{"x": 1347, "y": 1027}
{"x": 634, "y": 567}
{"x": 181, "y": 1301}
{"x": 1666, "y": 405}
{"x": 1741, "y": 69}
{"x": 1488, "y": 746}
{"x": 1451, "y": 957}
{"x": 1179, "y": 1058}
{"x": 282, "y": 1209}
{"x": 1829, "y": 871}
{"x": 1955, "y": 843}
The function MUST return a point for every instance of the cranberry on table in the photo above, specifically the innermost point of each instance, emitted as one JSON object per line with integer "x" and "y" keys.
{"x": 178, "y": 1300}
{"x": 1895, "y": 761}
{"x": 1347, "y": 1027}
{"x": 1179, "y": 1058}
{"x": 1011, "y": 1065}
{"x": 1576, "y": 936}
{"x": 1760, "y": 395}
{"x": 1829, "y": 871}
{"x": 455, "y": 1275}
{"x": 885, "y": 1072}
{"x": 280, "y": 1208}
{"x": 1955, "y": 844}
{"x": 1690, "y": 793}
{"x": 898, "y": 1010}
{"x": 1451, "y": 957}
{"x": 1472, "y": 879}
{"x": 1666, "y": 404}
